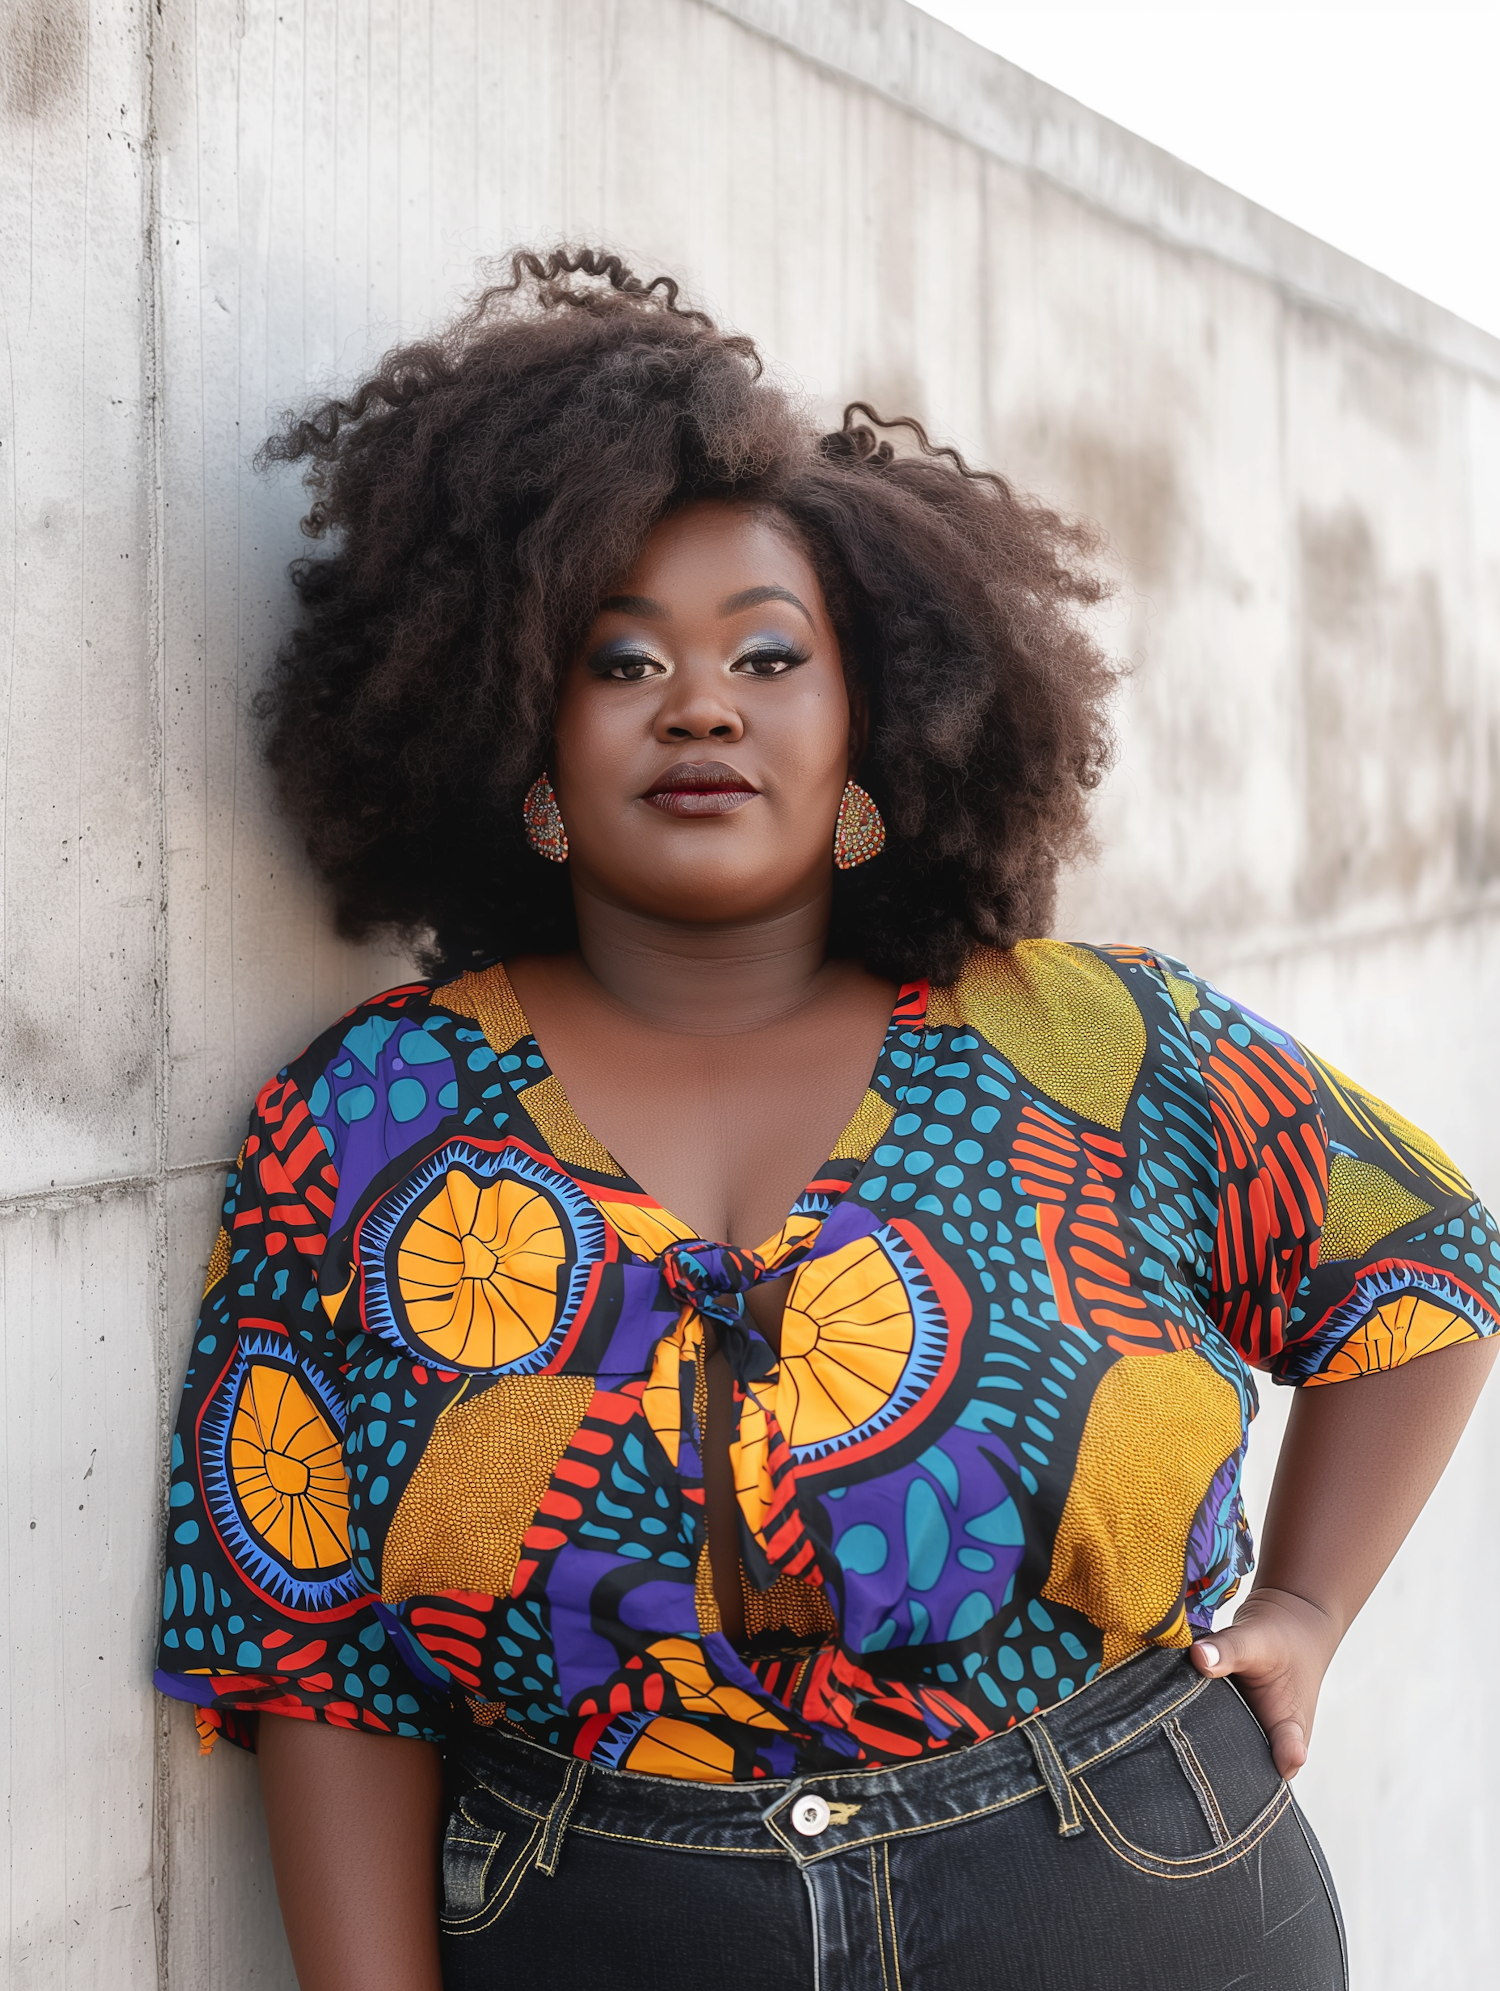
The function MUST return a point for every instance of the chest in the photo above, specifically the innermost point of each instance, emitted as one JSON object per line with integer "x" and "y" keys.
{"x": 723, "y": 1132}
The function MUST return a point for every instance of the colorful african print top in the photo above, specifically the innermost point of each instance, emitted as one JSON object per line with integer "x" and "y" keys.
{"x": 439, "y": 1456}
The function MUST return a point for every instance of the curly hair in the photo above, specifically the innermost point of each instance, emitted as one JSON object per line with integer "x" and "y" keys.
{"x": 482, "y": 489}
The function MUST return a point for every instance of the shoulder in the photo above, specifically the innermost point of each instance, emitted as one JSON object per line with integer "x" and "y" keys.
{"x": 393, "y": 1071}
{"x": 399, "y": 1060}
{"x": 1047, "y": 983}
{"x": 361, "y": 1034}
{"x": 471, "y": 1009}
{"x": 1074, "y": 1020}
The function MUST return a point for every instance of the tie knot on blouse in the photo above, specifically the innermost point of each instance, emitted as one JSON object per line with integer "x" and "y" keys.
{"x": 713, "y": 1279}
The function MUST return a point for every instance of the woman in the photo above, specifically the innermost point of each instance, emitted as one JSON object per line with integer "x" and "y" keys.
{"x": 723, "y": 1408}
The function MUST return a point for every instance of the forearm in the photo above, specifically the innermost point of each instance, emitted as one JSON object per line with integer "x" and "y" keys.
{"x": 354, "y": 1824}
{"x": 1357, "y": 1465}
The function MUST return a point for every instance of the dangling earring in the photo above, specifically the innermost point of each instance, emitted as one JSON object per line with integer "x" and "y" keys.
{"x": 859, "y": 833}
{"x": 544, "y": 823}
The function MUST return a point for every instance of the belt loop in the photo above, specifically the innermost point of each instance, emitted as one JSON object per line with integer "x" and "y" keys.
{"x": 557, "y": 1818}
{"x": 1055, "y": 1777}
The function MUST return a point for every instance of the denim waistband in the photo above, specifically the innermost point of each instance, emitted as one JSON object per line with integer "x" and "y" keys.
{"x": 756, "y": 1820}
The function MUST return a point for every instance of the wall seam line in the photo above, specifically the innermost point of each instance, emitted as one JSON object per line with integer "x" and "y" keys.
{"x": 71, "y": 1195}
{"x": 152, "y": 365}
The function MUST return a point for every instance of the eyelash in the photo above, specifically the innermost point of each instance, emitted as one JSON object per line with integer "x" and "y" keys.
{"x": 617, "y": 665}
{"x": 787, "y": 654}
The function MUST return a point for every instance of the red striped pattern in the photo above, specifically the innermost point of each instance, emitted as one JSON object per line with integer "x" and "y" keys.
{"x": 1273, "y": 1167}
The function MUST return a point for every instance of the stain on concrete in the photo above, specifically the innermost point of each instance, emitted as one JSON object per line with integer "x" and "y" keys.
{"x": 1381, "y": 732}
{"x": 1479, "y": 830}
{"x": 1394, "y": 388}
{"x": 43, "y": 56}
{"x": 1132, "y": 489}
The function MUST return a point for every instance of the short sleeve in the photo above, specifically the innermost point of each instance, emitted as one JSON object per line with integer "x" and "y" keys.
{"x": 1346, "y": 1241}
{"x": 264, "y": 1608}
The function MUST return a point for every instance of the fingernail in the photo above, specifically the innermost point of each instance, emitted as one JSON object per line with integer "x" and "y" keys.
{"x": 1210, "y": 1652}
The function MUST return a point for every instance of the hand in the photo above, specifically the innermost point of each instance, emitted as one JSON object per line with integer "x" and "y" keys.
{"x": 1278, "y": 1649}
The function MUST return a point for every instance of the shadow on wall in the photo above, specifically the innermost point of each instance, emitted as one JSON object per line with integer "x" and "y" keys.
{"x": 1132, "y": 491}
{"x": 43, "y": 57}
{"x": 1384, "y": 779}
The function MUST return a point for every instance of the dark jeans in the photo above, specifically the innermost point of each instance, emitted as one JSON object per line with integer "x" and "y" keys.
{"x": 1136, "y": 1838}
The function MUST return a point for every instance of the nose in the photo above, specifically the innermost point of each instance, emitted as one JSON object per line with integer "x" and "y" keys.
{"x": 696, "y": 708}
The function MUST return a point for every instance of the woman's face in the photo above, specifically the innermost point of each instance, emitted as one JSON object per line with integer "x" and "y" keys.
{"x": 704, "y": 733}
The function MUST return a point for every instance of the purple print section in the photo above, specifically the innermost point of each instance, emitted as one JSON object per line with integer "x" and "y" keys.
{"x": 847, "y": 1223}
{"x": 184, "y": 1687}
{"x": 389, "y": 1084}
{"x": 928, "y": 1552}
{"x": 657, "y": 1608}
{"x": 642, "y": 1323}
{"x": 584, "y": 1656}
{"x": 1219, "y": 1548}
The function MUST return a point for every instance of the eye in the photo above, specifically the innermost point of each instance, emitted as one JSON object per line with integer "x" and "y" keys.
{"x": 626, "y": 666}
{"x": 769, "y": 659}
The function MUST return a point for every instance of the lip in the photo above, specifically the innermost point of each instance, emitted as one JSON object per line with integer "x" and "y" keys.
{"x": 700, "y": 788}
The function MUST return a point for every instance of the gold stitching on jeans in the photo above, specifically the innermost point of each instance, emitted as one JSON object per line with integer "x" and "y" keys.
{"x": 890, "y": 1909}
{"x": 485, "y": 1916}
{"x": 897, "y": 1832}
{"x": 488, "y": 1843}
{"x": 681, "y": 1846}
{"x": 511, "y": 1881}
{"x": 1197, "y": 1776}
{"x": 879, "y": 1927}
{"x": 1055, "y": 1776}
{"x": 1199, "y": 1686}
{"x": 1200, "y": 1864}
{"x": 550, "y": 1851}
{"x": 784, "y": 1846}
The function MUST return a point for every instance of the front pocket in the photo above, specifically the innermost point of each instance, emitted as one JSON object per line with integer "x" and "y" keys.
{"x": 1172, "y": 1867}
{"x": 1191, "y": 1797}
{"x": 486, "y": 1853}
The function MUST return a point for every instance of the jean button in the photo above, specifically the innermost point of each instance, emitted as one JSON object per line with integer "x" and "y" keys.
{"x": 810, "y": 1816}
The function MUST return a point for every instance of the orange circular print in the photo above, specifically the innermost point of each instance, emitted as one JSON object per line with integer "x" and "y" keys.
{"x": 862, "y": 1339}
{"x": 846, "y": 1337}
{"x": 477, "y": 1270}
{"x": 287, "y": 1464}
{"x": 480, "y": 1258}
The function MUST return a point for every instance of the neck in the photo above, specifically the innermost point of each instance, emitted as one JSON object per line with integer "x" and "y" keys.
{"x": 699, "y": 980}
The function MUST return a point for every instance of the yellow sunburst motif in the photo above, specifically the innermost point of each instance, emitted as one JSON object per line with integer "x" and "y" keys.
{"x": 1403, "y": 1328}
{"x": 477, "y": 1270}
{"x": 683, "y": 1750}
{"x": 846, "y": 1335}
{"x": 288, "y": 1467}
{"x": 683, "y": 1662}
{"x": 646, "y": 1228}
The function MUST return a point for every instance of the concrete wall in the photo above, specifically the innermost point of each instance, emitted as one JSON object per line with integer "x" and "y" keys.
{"x": 208, "y": 207}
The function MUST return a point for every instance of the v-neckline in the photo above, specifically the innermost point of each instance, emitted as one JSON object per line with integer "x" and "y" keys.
{"x": 685, "y": 1230}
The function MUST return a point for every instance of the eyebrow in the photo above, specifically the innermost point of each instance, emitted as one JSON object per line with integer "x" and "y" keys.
{"x": 753, "y": 597}
{"x": 648, "y": 605}
{"x": 634, "y": 605}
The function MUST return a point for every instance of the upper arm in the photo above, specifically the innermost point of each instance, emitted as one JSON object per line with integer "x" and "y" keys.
{"x": 1346, "y": 1239}
{"x": 263, "y": 1588}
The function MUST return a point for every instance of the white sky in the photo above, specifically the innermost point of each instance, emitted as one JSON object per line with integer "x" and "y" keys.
{"x": 1372, "y": 123}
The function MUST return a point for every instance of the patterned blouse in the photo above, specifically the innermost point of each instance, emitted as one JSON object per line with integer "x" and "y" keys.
{"x": 439, "y": 1457}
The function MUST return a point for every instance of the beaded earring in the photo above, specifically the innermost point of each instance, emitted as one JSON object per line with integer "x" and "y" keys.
{"x": 544, "y": 823}
{"x": 859, "y": 833}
